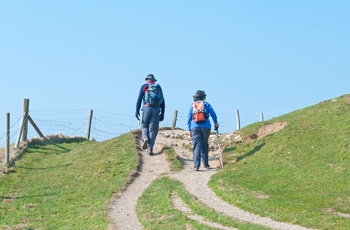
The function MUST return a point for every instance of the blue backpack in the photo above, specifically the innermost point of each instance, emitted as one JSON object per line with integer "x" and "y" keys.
{"x": 154, "y": 95}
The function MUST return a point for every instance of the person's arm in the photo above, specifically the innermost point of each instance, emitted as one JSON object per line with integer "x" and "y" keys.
{"x": 139, "y": 102}
{"x": 162, "y": 106}
{"x": 189, "y": 118}
{"x": 213, "y": 116}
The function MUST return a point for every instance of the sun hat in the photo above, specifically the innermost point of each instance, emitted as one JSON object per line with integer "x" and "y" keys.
{"x": 200, "y": 94}
{"x": 151, "y": 77}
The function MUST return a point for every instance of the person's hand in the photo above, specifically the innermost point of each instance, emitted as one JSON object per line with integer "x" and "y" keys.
{"x": 190, "y": 134}
{"x": 216, "y": 127}
{"x": 161, "y": 117}
{"x": 137, "y": 115}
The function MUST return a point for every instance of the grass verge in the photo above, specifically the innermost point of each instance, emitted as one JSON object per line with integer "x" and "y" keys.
{"x": 300, "y": 174}
{"x": 155, "y": 209}
{"x": 66, "y": 185}
{"x": 175, "y": 163}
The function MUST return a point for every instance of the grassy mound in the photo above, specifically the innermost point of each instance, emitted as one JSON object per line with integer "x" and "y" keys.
{"x": 299, "y": 174}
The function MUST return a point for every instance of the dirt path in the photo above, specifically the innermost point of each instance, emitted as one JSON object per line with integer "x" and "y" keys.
{"x": 122, "y": 209}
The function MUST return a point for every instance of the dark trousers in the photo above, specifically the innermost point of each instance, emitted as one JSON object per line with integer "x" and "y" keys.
{"x": 150, "y": 125}
{"x": 200, "y": 138}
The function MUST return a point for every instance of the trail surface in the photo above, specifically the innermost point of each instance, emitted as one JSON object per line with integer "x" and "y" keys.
{"x": 122, "y": 208}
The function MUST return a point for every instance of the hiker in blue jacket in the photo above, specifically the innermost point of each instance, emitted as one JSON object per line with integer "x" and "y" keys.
{"x": 200, "y": 131}
{"x": 153, "y": 109}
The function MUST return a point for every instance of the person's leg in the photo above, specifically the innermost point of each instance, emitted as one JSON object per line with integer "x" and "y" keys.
{"x": 197, "y": 146}
{"x": 205, "y": 146}
{"x": 153, "y": 127}
{"x": 146, "y": 117}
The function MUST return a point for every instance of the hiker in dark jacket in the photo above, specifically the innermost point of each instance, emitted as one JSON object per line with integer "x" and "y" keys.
{"x": 151, "y": 114}
{"x": 200, "y": 132}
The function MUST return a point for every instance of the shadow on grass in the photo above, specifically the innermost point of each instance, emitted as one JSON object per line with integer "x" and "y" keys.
{"x": 24, "y": 197}
{"x": 32, "y": 168}
{"x": 49, "y": 150}
{"x": 252, "y": 152}
{"x": 231, "y": 149}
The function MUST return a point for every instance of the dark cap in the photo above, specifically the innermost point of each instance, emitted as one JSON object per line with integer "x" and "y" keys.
{"x": 151, "y": 77}
{"x": 199, "y": 95}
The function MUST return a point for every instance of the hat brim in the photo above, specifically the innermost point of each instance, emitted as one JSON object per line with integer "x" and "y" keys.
{"x": 153, "y": 79}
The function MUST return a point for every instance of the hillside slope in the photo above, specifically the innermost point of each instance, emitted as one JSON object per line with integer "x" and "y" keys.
{"x": 302, "y": 171}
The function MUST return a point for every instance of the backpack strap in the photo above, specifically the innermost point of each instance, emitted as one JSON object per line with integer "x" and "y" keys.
{"x": 189, "y": 120}
{"x": 206, "y": 112}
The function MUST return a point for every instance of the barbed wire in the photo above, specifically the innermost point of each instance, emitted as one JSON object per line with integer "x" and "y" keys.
{"x": 104, "y": 125}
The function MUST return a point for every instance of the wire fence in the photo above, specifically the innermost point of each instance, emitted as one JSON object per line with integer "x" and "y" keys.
{"x": 104, "y": 125}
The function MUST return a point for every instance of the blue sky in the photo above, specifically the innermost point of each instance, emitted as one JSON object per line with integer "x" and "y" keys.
{"x": 256, "y": 56}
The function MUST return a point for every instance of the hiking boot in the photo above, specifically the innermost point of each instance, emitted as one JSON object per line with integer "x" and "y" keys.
{"x": 150, "y": 152}
{"x": 145, "y": 144}
{"x": 207, "y": 166}
{"x": 196, "y": 168}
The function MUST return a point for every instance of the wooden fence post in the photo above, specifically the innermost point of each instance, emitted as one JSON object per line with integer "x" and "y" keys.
{"x": 88, "y": 128}
{"x": 174, "y": 118}
{"x": 25, "y": 115}
{"x": 238, "y": 120}
{"x": 35, "y": 126}
{"x": 7, "y": 145}
{"x": 24, "y": 122}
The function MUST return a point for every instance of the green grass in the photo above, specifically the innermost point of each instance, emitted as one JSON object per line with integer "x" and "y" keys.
{"x": 175, "y": 163}
{"x": 67, "y": 185}
{"x": 156, "y": 211}
{"x": 300, "y": 174}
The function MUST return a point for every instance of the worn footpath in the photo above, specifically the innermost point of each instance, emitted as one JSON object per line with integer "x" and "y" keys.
{"x": 122, "y": 208}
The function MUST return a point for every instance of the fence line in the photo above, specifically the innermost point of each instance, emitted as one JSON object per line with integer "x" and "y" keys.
{"x": 105, "y": 125}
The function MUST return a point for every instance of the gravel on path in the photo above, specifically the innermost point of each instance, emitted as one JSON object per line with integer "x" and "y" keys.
{"x": 122, "y": 208}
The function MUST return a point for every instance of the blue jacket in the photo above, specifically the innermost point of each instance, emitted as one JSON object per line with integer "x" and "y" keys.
{"x": 141, "y": 99}
{"x": 211, "y": 113}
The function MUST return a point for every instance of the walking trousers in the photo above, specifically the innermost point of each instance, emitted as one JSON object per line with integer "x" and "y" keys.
{"x": 150, "y": 125}
{"x": 200, "y": 136}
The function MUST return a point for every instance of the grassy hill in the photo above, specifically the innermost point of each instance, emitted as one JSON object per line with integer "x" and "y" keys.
{"x": 300, "y": 174}
{"x": 66, "y": 185}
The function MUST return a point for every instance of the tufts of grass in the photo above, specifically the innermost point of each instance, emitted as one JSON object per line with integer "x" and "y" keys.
{"x": 66, "y": 185}
{"x": 156, "y": 211}
{"x": 175, "y": 163}
{"x": 299, "y": 174}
